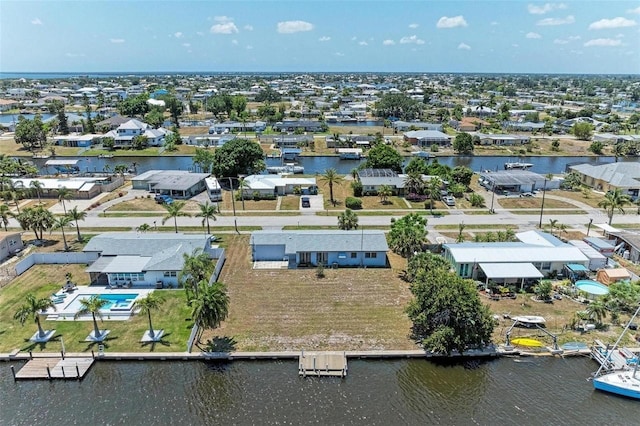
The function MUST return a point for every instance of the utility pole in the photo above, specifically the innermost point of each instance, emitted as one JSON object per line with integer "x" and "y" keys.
{"x": 544, "y": 191}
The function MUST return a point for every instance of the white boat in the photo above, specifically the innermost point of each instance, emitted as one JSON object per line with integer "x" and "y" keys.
{"x": 529, "y": 319}
{"x": 422, "y": 154}
{"x": 518, "y": 166}
{"x": 287, "y": 168}
{"x": 623, "y": 380}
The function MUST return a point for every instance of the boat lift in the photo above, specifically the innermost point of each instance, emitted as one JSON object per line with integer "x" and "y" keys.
{"x": 555, "y": 349}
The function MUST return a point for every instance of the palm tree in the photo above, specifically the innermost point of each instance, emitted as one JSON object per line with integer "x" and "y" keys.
{"x": 120, "y": 169}
{"x": 146, "y": 305}
{"x": 384, "y": 192}
{"x": 242, "y": 184}
{"x": 331, "y": 177}
{"x": 461, "y": 227}
{"x": 348, "y": 220}
{"x": 5, "y": 214}
{"x": 92, "y": 306}
{"x": 134, "y": 167}
{"x": 597, "y": 311}
{"x": 211, "y": 307}
{"x": 413, "y": 183}
{"x": 77, "y": 215}
{"x": 144, "y": 227}
{"x": 64, "y": 193}
{"x": 197, "y": 267}
{"x": 33, "y": 308}
{"x": 59, "y": 223}
{"x": 614, "y": 200}
{"x": 433, "y": 191}
{"x": 207, "y": 211}
{"x": 173, "y": 211}
{"x": 553, "y": 223}
{"x": 37, "y": 186}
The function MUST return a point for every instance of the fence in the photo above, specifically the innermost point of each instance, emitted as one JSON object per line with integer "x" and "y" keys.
{"x": 57, "y": 258}
{"x": 221, "y": 256}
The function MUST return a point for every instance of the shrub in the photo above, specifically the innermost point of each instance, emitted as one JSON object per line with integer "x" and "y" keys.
{"x": 120, "y": 194}
{"x": 356, "y": 185}
{"x": 353, "y": 203}
{"x": 320, "y": 270}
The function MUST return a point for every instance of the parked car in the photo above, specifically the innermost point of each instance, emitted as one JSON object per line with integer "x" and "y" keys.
{"x": 163, "y": 199}
{"x": 306, "y": 202}
{"x": 526, "y": 194}
{"x": 449, "y": 200}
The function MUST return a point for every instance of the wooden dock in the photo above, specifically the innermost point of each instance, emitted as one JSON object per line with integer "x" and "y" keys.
{"x": 54, "y": 368}
{"x": 323, "y": 364}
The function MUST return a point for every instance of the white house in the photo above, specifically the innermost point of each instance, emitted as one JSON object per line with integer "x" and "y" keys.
{"x": 279, "y": 185}
{"x": 126, "y": 132}
{"x": 331, "y": 248}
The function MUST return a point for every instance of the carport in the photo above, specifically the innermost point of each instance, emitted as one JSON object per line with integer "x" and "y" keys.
{"x": 509, "y": 272}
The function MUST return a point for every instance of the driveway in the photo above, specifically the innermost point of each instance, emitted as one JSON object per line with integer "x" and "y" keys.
{"x": 316, "y": 201}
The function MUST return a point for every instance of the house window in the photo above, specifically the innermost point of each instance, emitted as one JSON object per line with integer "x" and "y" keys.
{"x": 370, "y": 255}
{"x": 354, "y": 255}
{"x": 170, "y": 273}
{"x": 546, "y": 266}
{"x": 322, "y": 257}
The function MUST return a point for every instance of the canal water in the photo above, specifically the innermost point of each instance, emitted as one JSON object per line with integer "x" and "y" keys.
{"x": 319, "y": 164}
{"x": 528, "y": 391}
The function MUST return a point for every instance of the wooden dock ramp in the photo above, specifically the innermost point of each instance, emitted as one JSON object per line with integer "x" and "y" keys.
{"x": 323, "y": 364}
{"x": 50, "y": 368}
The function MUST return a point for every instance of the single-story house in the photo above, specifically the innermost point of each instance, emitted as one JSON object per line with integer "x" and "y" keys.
{"x": 10, "y": 244}
{"x": 522, "y": 126}
{"x": 627, "y": 244}
{"x": 468, "y": 124}
{"x": 7, "y": 104}
{"x": 76, "y": 141}
{"x": 278, "y": 185}
{"x": 80, "y": 187}
{"x": 214, "y": 140}
{"x": 331, "y": 248}
{"x": 175, "y": 183}
{"x": 536, "y": 251}
{"x": 606, "y": 177}
{"x": 615, "y": 139}
{"x": 305, "y": 125}
{"x": 403, "y": 126}
{"x": 290, "y": 141}
{"x": 373, "y": 179}
{"x": 503, "y": 140}
{"x": 516, "y": 181}
{"x": 237, "y": 126}
{"x": 427, "y": 138}
{"x": 143, "y": 259}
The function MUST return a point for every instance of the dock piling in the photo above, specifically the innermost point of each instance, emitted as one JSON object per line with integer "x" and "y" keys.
{"x": 48, "y": 372}
{"x": 13, "y": 371}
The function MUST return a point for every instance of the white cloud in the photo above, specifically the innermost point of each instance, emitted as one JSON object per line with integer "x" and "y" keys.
{"x": 290, "y": 27}
{"x": 224, "y": 28}
{"x": 222, "y": 19}
{"x": 560, "y": 41}
{"x": 36, "y": 21}
{"x": 74, "y": 55}
{"x": 556, "y": 21}
{"x": 200, "y": 33}
{"x": 234, "y": 42}
{"x": 324, "y": 38}
{"x": 455, "y": 21}
{"x": 603, "y": 42}
{"x": 363, "y": 43}
{"x": 116, "y": 40}
{"x": 635, "y": 11}
{"x": 619, "y": 35}
{"x": 186, "y": 44}
{"x": 388, "y": 43}
{"x": 463, "y": 46}
{"x": 354, "y": 38}
{"x": 545, "y": 8}
{"x": 411, "y": 40}
{"x": 178, "y": 35}
{"x": 249, "y": 47}
{"x": 574, "y": 37}
{"x": 515, "y": 45}
{"x": 605, "y": 24}
{"x": 533, "y": 35}
{"x": 413, "y": 26}
{"x": 494, "y": 23}
{"x": 248, "y": 27}
{"x": 339, "y": 54}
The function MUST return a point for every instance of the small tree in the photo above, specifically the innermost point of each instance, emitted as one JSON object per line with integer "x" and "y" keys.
{"x": 348, "y": 220}
{"x": 146, "y": 305}
{"x": 384, "y": 192}
{"x": 543, "y": 290}
{"x": 92, "y": 306}
{"x": 33, "y": 308}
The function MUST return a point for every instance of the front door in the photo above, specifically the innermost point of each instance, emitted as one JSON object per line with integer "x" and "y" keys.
{"x": 321, "y": 257}
{"x": 305, "y": 258}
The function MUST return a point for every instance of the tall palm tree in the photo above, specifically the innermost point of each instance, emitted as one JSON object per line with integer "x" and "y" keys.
{"x": 33, "y": 308}
{"x": 59, "y": 223}
{"x": 348, "y": 220}
{"x": 120, "y": 169}
{"x": 36, "y": 186}
{"x": 5, "y": 214}
{"x": 173, "y": 211}
{"x": 197, "y": 268}
{"x": 384, "y": 192}
{"x": 433, "y": 191}
{"x": 207, "y": 211}
{"x": 146, "y": 305}
{"x": 64, "y": 193}
{"x": 553, "y": 223}
{"x": 211, "y": 307}
{"x": 76, "y": 216}
{"x": 413, "y": 183}
{"x": 331, "y": 177}
{"x": 614, "y": 200}
{"x": 92, "y": 306}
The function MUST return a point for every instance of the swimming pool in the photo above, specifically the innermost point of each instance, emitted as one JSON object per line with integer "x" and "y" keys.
{"x": 592, "y": 287}
{"x": 116, "y": 302}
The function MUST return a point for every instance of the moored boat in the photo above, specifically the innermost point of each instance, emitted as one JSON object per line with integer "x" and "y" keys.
{"x": 517, "y": 166}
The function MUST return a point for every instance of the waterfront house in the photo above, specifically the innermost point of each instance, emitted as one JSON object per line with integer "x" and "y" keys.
{"x": 403, "y": 126}
{"x": 331, "y": 248}
{"x": 125, "y": 133}
{"x": 80, "y": 187}
{"x": 608, "y": 177}
{"x": 76, "y": 141}
{"x": 237, "y": 126}
{"x": 304, "y": 125}
{"x": 174, "y": 183}
{"x": 143, "y": 259}
{"x": 373, "y": 179}
{"x": 535, "y": 255}
{"x": 274, "y": 185}
{"x": 502, "y": 139}
{"x": 516, "y": 181}
{"x": 426, "y": 138}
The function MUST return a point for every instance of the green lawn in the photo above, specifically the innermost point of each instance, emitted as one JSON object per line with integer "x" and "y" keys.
{"x": 43, "y": 280}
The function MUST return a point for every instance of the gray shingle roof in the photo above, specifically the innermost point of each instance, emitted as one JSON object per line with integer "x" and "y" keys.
{"x": 329, "y": 241}
{"x": 620, "y": 175}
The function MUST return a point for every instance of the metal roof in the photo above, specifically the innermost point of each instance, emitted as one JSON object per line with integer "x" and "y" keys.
{"x": 513, "y": 253}
{"x": 377, "y": 173}
{"x": 510, "y": 270}
{"x": 329, "y": 241}
{"x": 177, "y": 180}
{"x": 512, "y": 177}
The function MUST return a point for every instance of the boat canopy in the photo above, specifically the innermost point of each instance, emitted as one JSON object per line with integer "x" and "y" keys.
{"x": 510, "y": 270}
{"x": 61, "y": 162}
{"x": 576, "y": 267}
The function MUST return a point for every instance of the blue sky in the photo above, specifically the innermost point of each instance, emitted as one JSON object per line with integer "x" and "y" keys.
{"x": 313, "y": 36}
